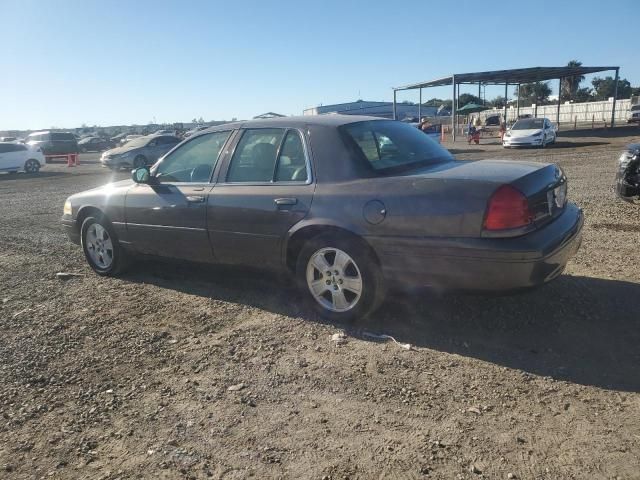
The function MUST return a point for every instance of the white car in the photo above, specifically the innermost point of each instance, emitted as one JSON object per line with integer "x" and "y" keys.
{"x": 530, "y": 132}
{"x": 15, "y": 157}
{"x": 634, "y": 114}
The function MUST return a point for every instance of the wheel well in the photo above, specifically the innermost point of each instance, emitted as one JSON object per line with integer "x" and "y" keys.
{"x": 86, "y": 212}
{"x": 299, "y": 238}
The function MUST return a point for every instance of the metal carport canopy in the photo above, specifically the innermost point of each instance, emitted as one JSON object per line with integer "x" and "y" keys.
{"x": 515, "y": 76}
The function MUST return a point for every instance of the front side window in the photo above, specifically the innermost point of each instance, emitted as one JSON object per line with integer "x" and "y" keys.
{"x": 194, "y": 161}
{"x": 255, "y": 157}
{"x": 389, "y": 146}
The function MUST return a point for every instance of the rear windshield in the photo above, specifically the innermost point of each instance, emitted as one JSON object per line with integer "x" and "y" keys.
{"x": 528, "y": 124}
{"x": 635, "y": 108}
{"x": 390, "y": 147}
{"x": 60, "y": 136}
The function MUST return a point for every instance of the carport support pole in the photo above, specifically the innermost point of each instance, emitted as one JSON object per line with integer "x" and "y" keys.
{"x": 615, "y": 96}
{"x": 394, "y": 104}
{"x": 518, "y": 103}
{"x": 558, "y": 110}
{"x": 453, "y": 109}
{"x": 506, "y": 86}
{"x": 420, "y": 106}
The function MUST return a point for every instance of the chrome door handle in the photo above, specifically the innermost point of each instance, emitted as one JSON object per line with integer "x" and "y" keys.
{"x": 285, "y": 201}
{"x": 195, "y": 198}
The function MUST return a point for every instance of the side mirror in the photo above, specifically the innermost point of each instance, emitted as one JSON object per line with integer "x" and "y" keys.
{"x": 141, "y": 175}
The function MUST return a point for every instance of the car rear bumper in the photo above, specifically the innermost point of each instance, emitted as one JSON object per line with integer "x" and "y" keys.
{"x": 70, "y": 227}
{"x": 483, "y": 264}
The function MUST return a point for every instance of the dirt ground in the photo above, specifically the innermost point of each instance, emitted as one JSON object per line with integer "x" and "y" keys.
{"x": 176, "y": 371}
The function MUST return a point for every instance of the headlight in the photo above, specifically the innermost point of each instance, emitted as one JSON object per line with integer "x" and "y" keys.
{"x": 66, "y": 210}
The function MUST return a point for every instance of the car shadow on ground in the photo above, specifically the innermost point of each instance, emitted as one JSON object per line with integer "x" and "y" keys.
{"x": 30, "y": 176}
{"x": 578, "y": 329}
{"x": 619, "y": 131}
{"x": 562, "y": 144}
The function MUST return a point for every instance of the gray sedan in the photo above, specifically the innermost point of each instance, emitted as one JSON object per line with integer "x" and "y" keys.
{"x": 139, "y": 151}
{"x": 351, "y": 207}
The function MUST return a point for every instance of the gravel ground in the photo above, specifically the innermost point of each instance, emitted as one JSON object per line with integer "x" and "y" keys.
{"x": 177, "y": 371}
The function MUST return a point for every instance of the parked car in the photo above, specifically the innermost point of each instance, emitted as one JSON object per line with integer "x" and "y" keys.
{"x": 530, "y": 132}
{"x": 351, "y": 206}
{"x": 8, "y": 139}
{"x": 15, "y": 157}
{"x": 53, "y": 143}
{"x": 628, "y": 174}
{"x": 139, "y": 152}
{"x": 634, "y": 114}
{"x": 94, "y": 144}
{"x": 493, "y": 121}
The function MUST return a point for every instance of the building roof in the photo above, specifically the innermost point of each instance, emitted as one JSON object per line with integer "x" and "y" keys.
{"x": 513, "y": 76}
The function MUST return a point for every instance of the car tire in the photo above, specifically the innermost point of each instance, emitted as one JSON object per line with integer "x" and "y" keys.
{"x": 356, "y": 267}
{"x": 101, "y": 248}
{"x": 31, "y": 166}
{"x": 139, "y": 161}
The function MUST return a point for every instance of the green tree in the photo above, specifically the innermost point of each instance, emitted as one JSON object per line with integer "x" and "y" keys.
{"x": 437, "y": 102}
{"x": 584, "y": 94}
{"x": 570, "y": 85}
{"x": 530, "y": 93}
{"x": 497, "y": 102}
{"x": 604, "y": 88}
{"x": 466, "y": 98}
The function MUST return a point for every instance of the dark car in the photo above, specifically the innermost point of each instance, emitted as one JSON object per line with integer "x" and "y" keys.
{"x": 94, "y": 144}
{"x": 351, "y": 206}
{"x": 628, "y": 174}
{"x": 53, "y": 143}
{"x": 139, "y": 152}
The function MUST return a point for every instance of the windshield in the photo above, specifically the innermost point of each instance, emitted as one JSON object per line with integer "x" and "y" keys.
{"x": 528, "y": 124}
{"x": 389, "y": 146}
{"x": 635, "y": 108}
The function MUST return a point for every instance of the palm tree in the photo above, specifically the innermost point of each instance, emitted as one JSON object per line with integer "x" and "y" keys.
{"x": 570, "y": 85}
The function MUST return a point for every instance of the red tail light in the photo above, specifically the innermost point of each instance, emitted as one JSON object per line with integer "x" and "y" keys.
{"x": 508, "y": 208}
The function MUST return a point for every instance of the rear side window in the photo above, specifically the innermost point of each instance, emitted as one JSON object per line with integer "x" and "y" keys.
{"x": 388, "y": 146}
{"x": 254, "y": 159}
{"x": 11, "y": 147}
{"x": 292, "y": 163}
{"x": 167, "y": 140}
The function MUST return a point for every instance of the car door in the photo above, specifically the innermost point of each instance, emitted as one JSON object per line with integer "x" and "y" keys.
{"x": 12, "y": 156}
{"x": 265, "y": 188}
{"x": 168, "y": 217}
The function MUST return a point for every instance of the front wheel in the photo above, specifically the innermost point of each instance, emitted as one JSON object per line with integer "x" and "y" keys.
{"x": 341, "y": 276}
{"x": 31, "y": 166}
{"x": 101, "y": 248}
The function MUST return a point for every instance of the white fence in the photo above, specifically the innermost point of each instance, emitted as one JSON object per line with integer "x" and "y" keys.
{"x": 570, "y": 112}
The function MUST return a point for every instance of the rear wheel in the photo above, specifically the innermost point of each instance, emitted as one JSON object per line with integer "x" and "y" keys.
{"x": 101, "y": 248}
{"x": 340, "y": 276}
{"x": 32, "y": 166}
{"x": 139, "y": 161}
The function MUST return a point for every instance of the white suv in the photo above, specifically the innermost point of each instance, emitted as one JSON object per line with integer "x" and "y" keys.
{"x": 17, "y": 156}
{"x": 634, "y": 114}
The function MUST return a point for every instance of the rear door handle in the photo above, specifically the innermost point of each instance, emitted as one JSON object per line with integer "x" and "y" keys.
{"x": 195, "y": 198}
{"x": 280, "y": 202}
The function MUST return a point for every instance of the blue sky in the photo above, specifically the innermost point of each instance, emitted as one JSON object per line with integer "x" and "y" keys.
{"x": 69, "y": 62}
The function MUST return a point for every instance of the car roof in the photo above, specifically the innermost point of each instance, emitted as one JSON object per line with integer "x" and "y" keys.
{"x": 294, "y": 122}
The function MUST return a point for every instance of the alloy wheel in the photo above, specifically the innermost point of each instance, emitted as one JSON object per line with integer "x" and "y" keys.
{"x": 99, "y": 246}
{"x": 334, "y": 279}
{"x": 31, "y": 166}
